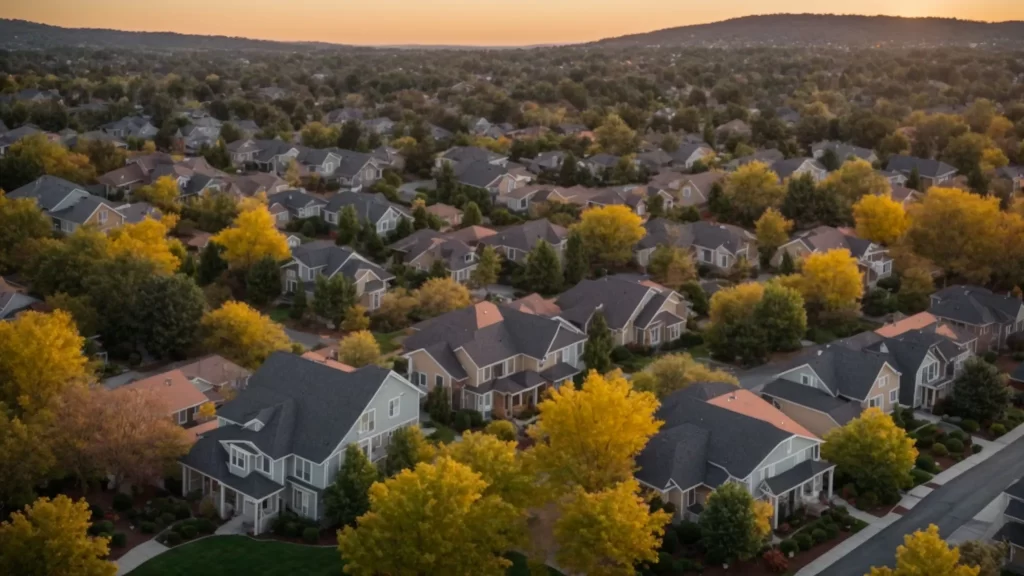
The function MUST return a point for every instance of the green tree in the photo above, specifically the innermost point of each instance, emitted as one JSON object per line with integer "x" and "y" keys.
{"x": 408, "y": 448}
{"x": 211, "y": 264}
{"x": 348, "y": 497}
{"x": 914, "y": 180}
{"x": 171, "y": 308}
{"x": 752, "y": 189}
{"x": 300, "y": 305}
{"x": 728, "y": 525}
{"x": 674, "y": 372}
{"x": 20, "y": 222}
{"x": 980, "y": 392}
{"x": 471, "y": 215}
{"x": 488, "y": 268}
{"x": 577, "y": 262}
{"x": 332, "y": 296}
{"x": 597, "y": 352}
{"x": 672, "y": 266}
{"x": 781, "y": 316}
{"x": 263, "y": 282}
{"x": 567, "y": 174}
{"x": 787, "y": 266}
{"x": 808, "y": 205}
{"x": 543, "y": 271}
{"x": 348, "y": 226}
{"x": 370, "y": 241}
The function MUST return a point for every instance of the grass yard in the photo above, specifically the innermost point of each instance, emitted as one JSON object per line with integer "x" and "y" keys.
{"x": 279, "y": 314}
{"x": 241, "y": 555}
{"x": 388, "y": 341}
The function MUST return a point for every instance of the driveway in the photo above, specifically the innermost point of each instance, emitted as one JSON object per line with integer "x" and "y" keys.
{"x": 948, "y": 507}
{"x": 309, "y": 340}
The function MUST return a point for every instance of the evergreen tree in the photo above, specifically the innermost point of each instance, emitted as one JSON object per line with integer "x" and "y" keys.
{"x": 438, "y": 269}
{"x": 471, "y": 215}
{"x": 169, "y": 310}
{"x": 263, "y": 282}
{"x": 543, "y": 271}
{"x": 300, "y": 305}
{"x": 371, "y": 243}
{"x": 349, "y": 496}
{"x": 188, "y": 266}
{"x": 567, "y": 174}
{"x": 402, "y": 229}
{"x": 332, "y": 297}
{"x": 914, "y": 180}
{"x": 577, "y": 264}
{"x": 597, "y": 352}
{"x": 420, "y": 217}
{"x": 211, "y": 265}
{"x": 980, "y": 392}
{"x": 787, "y": 266}
{"x": 488, "y": 268}
{"x": 830, "y": 161}
{"x": 348, "y": 226}
{"x": 718, "y": 203}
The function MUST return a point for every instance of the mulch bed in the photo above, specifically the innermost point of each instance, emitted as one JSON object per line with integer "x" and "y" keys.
{"x": 878, "y": 511}
{"x": 900, "y": 510}
{"x": 801, "y": 559}
{"x": 933, "y": 485}
{"x": 105, "y": 499}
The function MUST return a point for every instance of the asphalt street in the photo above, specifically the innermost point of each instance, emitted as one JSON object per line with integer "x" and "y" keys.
{"x": 948, "y": 507}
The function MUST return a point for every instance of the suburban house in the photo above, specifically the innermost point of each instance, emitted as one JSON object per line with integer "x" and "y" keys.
{"x": 654, "y": 160}
{"x": 373, "y": 208}
{"x": 636, "y": 310}
{"x": 905, "y": 196}
{"x": 929, "y": 359}
{"x": 689, "y": 153}
{"x": 732, "y": 128}
{"x": 252, "y": 184}
{"x": 873, "y": 260}
{"x": 216, "y": 376}
{"x": 388, "y": 157}
{"x": 69, "y": 205}
{"x": 688, "y": 189}
{"x": 515, "y": 242}
{"x": 842, "y": 151}
{"x": 294, "y": 204}
{"x": 600, "y": 163}
{"x": 325, "y": 258}
{"x": 382, "y": 125}
{"x": 422, "y": 248}
{"x": 342, "y": 115}
{"x": 193, "y": 175}
{"x": 718, "y": 246}
{"x": 450, "y": 215}
{"x": 9, "y": 137}
{"x": 769, "y": 157}
{"x": 832, "y": 384}
{"x": 1014, "y": 175}
{"x": 14, "y": 301}
{"x": 466, "y": 155}
{"x": 1012, "y": 530}
{"x": 716, "y": 433}
{"x": 520, "y": 199}
{"x": 796, "y": 167}
{"x": 201, "y": 131}
{"x": 131, "y": 127}
{"x": 180, "y": 397}
{"x": 547, "y": 161}
{"x": 932, "y": 172}
{"x": 894, "y": 178}
{"x": 495, "y": 178}
{"x": 351, "y": 170}
{"x": 494, "y": 359}
{"x": 989, "y": 316}
{"x": 281, "y": 441}
{"x": 471, "y": 235}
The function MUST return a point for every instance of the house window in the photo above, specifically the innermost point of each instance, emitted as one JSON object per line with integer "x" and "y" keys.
{"x": 103, "y": 216}
{"x": 511, "y": 253}
{"x": 237, "y": 458}
{"x": 303, "y": 469}
{"x": 723, "y": 260}
{"x": 875, "y": 402}
{"x": 394, "y": 406}
{"x": 656, "y": 336}
{"x": 439, "y": 381}
{"x": 706, "y": 256}
{"x": 300, "y": 501}
{"x": 882, "y": 381}
{"x": 263, "y": 463}
{"x": 367, "y": 421}
{"x": 931, "y": 372}
{"x": 893, "y": 396}
{"x": 499, "y": 370}
{"x": 686, "y": 192}
{"x": 887, "y": 267}
{"x": 673, "y": 331}
{"x": 183, "y": 417}
{"x": 806, "y": 379}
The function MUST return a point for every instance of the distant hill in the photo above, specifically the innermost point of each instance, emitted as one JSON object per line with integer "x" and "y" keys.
{"x": 830, "y": 30}
{"x": 22, "y": 35}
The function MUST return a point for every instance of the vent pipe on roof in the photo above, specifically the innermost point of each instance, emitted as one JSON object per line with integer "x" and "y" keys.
{"x": 167, "y": 381}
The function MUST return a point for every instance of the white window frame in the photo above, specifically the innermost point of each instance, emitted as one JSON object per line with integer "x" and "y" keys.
{"x": 674, "y": 331}
{"x": 394, "y": 407}
{"x": 264, "y": 464}
{"x": 300, "y": 501}
{"x": 103, "y": 217}
{"x": 303, "y": 469}
{"x": 183, "y": 416}
{"x": 368, "y": 421}
{"x": 723, "y": 260}
{"x": 656, "y": 336}
{"x": 882, "y": 381}
{"x": 806, "y": 379}
{"x": 894, "y": 396}
{"x": 238, "y": 453}
{"x": 875, "y": 401}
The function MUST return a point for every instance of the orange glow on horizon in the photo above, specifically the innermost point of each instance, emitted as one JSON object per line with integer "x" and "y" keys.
{"x": 448, "y": 22}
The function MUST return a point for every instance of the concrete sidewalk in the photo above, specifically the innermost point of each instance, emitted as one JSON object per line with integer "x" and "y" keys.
{"x": 139, "y": 555}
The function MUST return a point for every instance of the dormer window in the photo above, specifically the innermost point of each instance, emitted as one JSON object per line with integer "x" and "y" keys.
{"x": 238, "y": 458}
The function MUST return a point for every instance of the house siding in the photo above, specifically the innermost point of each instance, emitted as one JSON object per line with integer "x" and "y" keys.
{"x": 892, "y": 383}
{"x": 816, "y": 422}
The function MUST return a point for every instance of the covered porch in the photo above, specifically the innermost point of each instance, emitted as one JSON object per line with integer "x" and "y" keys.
{"x": 929, "y": 394}
{"x": 807, "y": 484}
{"x": 258, "y": 502}
{"x": 510, "y": 396}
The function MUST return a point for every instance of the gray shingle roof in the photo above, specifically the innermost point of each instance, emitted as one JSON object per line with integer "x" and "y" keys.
{"x": 1012, "y": 532}
{"x": 479, "y": 174}
{"x": 846, "y": 372}
{"x": 842, "y": 411}
{"x": 211, "y": 458}
{"x": 617, "y": 299}
{"x": 926, "y": 167}
{"x": 306, "y": 407}
{"x": 527, "y": 235}
{"x": 468, "y": 154}
{"x": 678, "y": 454}
{"x": 336, "y": 259}
{"x": 825, "y": 238}
{"x": 785, "y": 168}
{"x": 661, "y": 231}
{"x": 294, "y": 199}
{"x": 974, "y": 305}
{"x": 48, "y": 191}
{"x": 843, "y": 150}
{"x": 370, "y": 207}
{"x": 80, "y": 211}
{"x": 797, "y": 475}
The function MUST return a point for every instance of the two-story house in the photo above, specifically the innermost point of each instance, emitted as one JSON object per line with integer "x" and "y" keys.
{"x": 422, "y": 248}
{"x": 1011, "y": 526}
{"x": 373, "y": 208}
{"x": 465, "y": 155}
{"x": 718, "y": 246}
{"x": 831, "y": 385}
{"x": 689, "y": 153}
{"x": 494, "y": 359}
{"x": 716, "y": 433}
{"x": 842, "y": 151}
{"x": 688, "y": 189}
{"x": 351, "y": 170}
{"x": 636, "y": 310}
{"x": 294, "y": 204}
{"x": 280, "y": 443}
{"x": 325, "y": 258}
{"x": 796, "y": 167}
{"x": 131, "y": 127}
{"x": 931, "y": 172}
{"x": 991, "y": 317}
{"x": 873, "y": 260}
{"x": 515, "y": 242}
{"x": 69, "y": 205}
{"x": 928, "y": 359}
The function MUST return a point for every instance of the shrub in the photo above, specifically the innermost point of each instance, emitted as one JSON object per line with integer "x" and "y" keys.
{"x": 670, "y": 508}
{"x": 958, "y": 435}
{"x": 195, "y": 495}
{"x": 118, "y": 539}
{"x": 804, "y": 540}
{"x": 188, "y": 531}
{"x": 100, "y": 527}
{"x": 924, "y": 443}
{"x": 122, "y": 502}
{"x": 954, "y": 445}
{"x": 147, "y": 527}
{"x": 182, "y": 511}
{"x": 990, "y": 356}
{"x": 919, "y": 476}
{"x": 463, "y": 421}
{"x": 775, "y": 561}
{"x": 789, "y": 547}
{"x": 927, "y": 463}
{"x": 970, "y": 426}
{"x": 291, "y": 529}
{"x": 311, "y": 535}
{"x": 849, "y": 491}
{"x": 208, "y": 509}
{"x": 819, "y": 535}
{"x": 670, "y": 542}
{"x": 205, "y": 526}
{"x": 665, "y": 565}
{"x": 172, "y": 539}
{"x": 940, "y": 450}
{"x": 685, "y": 565}
{"x": 975, "y": 448}
{"x": 716, "y": 557}
{"x": 620, "y": 354}
{"x": 997, "y": 429}
{"x": 867, "y": 500}
{"x": 831, "y": 531}
{"x": 96, "y": 512}
{"x": 689, "y": 532}
{"x": 503, "y": 429}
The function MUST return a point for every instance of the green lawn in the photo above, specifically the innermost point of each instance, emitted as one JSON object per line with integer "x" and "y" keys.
{"x": 387, "y": 341}
{"x": 278, "y": 314}
{"x": 241, "y": 555}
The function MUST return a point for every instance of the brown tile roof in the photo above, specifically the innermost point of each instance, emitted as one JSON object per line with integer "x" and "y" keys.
{"x": 472, "y": 234}
{"x": 536, "y": 304}
{"x": 486, "y": 314}
{"x": 214, "y": 369}
{"x": 173, "y": 388}
{"x": 915, "y": 322}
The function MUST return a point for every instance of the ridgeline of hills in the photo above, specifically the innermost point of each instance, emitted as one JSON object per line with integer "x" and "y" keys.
{"x": 830, "y": 30}
{"x": 765, "y": 30}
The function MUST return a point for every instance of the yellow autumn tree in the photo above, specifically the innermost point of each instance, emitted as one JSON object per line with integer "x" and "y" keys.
{"x": 52, "y": 158}
{"x": 206, "y": 412}
{"x": 671, "y": 266}
{"x": 752, "y": 189}
{"x": 51, "y": 537}
{"x": 147, "y": 240}
{"x": 614, "y": 136}
{"x": 40, "y": 357}
{"x": 499, "y": 463}
{"x": 880, "y": 219}
{"x": 924, "y": 553}
{"x": 242, "y": 334}
{"x": 440, "y": 295}
{"x": 992, "y": 158}
{"x": 609, "y": 233}
{"x": 735, "y": 303}
{"x": 163, "y": 193}
{"x": 359, "y": 349}
{"x": 589, "y": 437}
{"x": 854, "y": 180}
{"x": 831, "y": 281}
{"x": 674, "y": 372}
{"x": 433, "y": 519}
{"x": 772, "y": 231}
{"x": 763, "y": 513}
{"x": 957, "y": 231}
{"x": 609, "y": 532}
{"x": 873, "y": 452}
{"x": 252, "y": 238}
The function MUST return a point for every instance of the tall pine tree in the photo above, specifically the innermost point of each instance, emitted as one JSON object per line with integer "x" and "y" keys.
{"x": 543, "y": 272}
{"x": 211, "y": 265}
{"x": 349, "y": 496}
{"x": 577, "y": 265}
{"x": 348, "y": 226}
{"x": 597, "y": 353}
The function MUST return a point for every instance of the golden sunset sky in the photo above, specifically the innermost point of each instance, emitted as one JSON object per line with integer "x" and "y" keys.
{"x": 469, "y": 22}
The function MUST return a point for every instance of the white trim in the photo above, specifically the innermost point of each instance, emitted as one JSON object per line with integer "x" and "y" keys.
{"x": 395, "y": 402}
{"x": 295, "y": 468}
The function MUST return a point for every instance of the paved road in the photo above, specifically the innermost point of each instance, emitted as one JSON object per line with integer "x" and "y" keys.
{"x": 948, "y": 508}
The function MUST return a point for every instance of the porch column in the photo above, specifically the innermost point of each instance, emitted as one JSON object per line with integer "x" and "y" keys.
{"x": 775, "y": 512}
{"x": 223, "y": 489}
{"x": 535, "y": 396}
{"x": 184, "y": 481}
{"x": 831, "y": 474}
{"x": 256, "y": 522}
